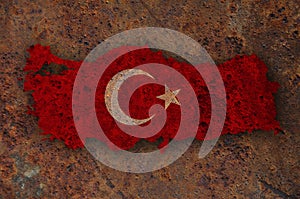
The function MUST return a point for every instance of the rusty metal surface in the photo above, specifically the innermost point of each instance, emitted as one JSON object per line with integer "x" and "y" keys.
{"x": 257, "y": 165}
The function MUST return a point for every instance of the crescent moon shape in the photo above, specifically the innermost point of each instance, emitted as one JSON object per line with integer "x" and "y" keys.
{"x": 111, "y": 97}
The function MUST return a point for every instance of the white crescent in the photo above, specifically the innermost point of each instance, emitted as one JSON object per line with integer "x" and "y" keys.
{"x": 111, "y": 97}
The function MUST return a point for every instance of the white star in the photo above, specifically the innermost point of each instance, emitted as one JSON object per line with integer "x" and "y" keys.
{"x": 169, "y": 97}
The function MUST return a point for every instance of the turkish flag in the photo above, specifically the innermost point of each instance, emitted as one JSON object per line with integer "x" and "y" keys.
{"x": 250, "y": 100}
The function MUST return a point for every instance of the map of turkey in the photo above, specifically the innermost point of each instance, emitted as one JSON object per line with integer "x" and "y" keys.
{"x": 250, "y": 100}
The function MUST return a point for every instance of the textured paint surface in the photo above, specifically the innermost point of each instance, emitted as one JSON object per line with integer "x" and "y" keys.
{"x": 257, "y": 165}
{"x": 250, "y": 101}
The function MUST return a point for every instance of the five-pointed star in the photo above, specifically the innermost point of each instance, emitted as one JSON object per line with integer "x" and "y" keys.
{"x": 169, "y": 97}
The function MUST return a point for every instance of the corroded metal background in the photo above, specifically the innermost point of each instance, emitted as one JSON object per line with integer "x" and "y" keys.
{"x": 257, "y": 165}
